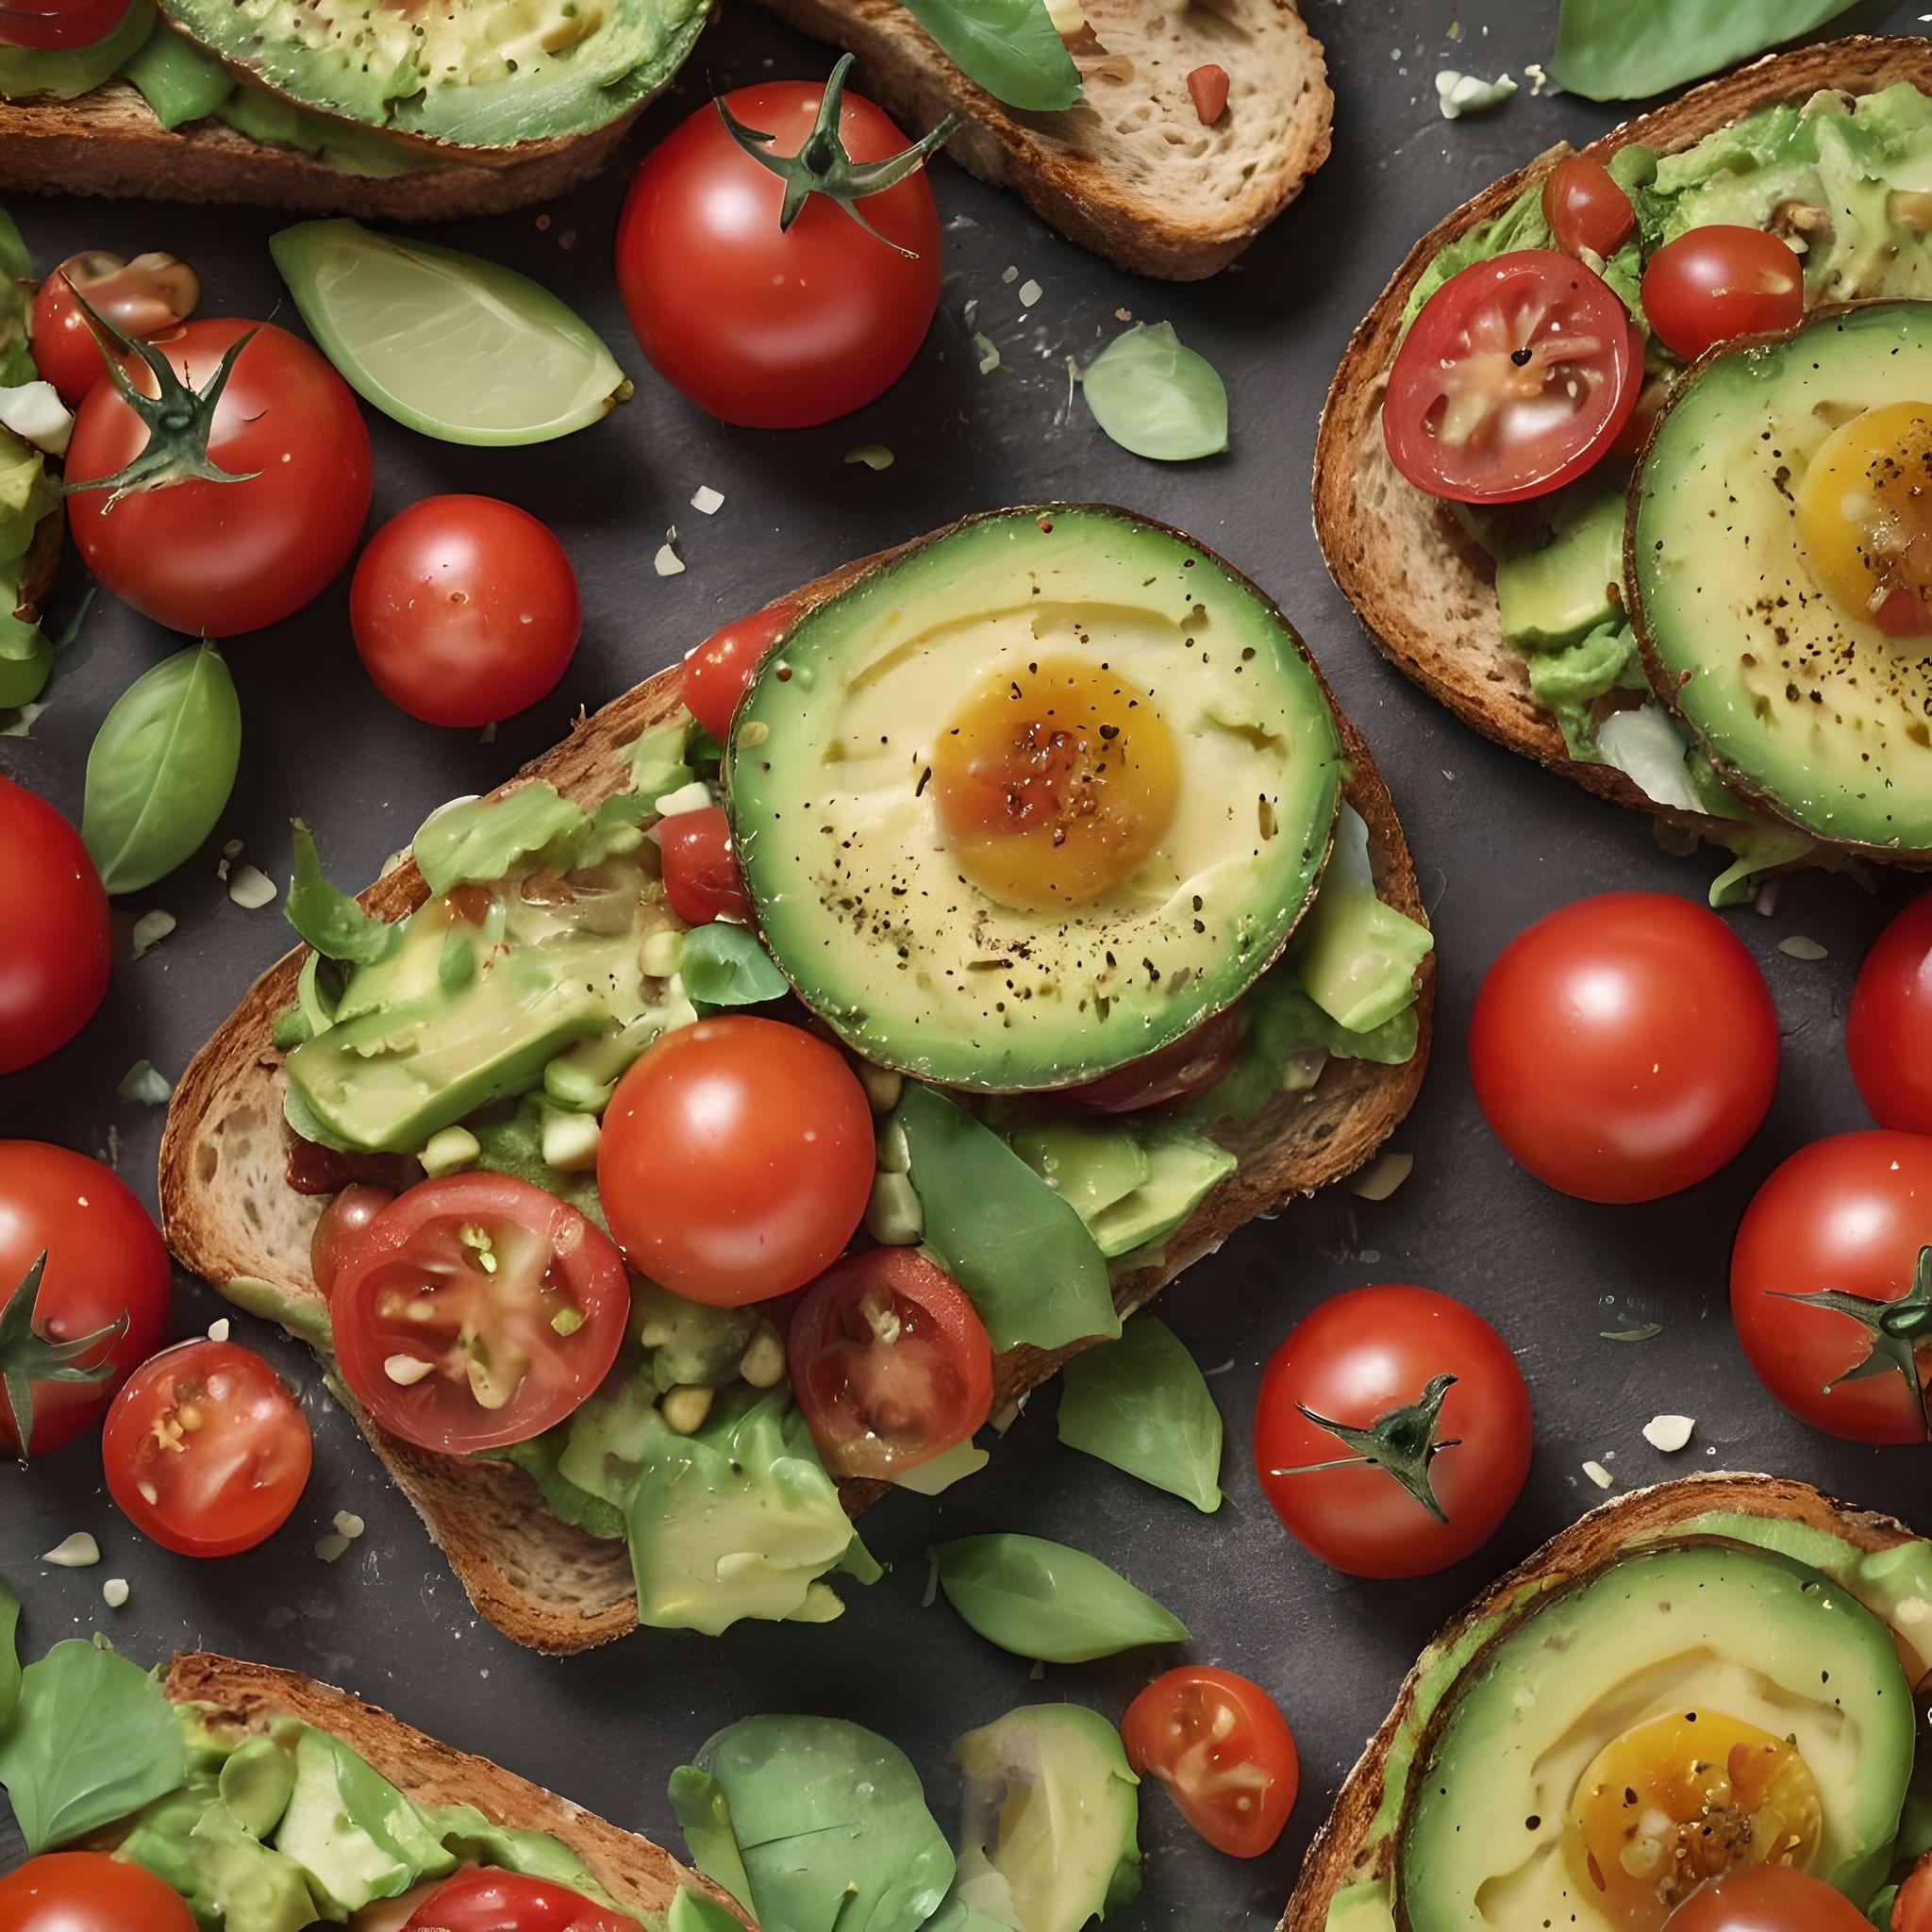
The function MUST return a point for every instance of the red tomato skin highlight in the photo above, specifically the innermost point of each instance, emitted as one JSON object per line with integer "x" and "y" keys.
{"x": 702, "y": 877}
{"x": 1767, "y": 1898}
{"x": 1584, "y": 207}
{"x": 483, "y": 1899}
{"x": 59, "y": 22}
{"x": 1624, "y": 1048}
{"x": 1889, "y": 1028}
{"x": 56, "y": 942}
{"x": 719, "y": 672}
{"x": 89, "y": 1892}
{"x": 1720, "y": 282}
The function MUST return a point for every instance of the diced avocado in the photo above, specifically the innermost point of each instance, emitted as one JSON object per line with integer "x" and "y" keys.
{"x": 469, "y": 1836}
{"x": 1130, "y": 1183}
{"x": 584, "y": 1075}
{"x": 243, "y": 1885}
{"x": 65, "y": 74}
{"x": 1356, "y": 956}
{"x": 688, "y": 1342}
{"x": 413, "y": 964}
{"x": 1034, "y": 978}
{"x": 178, "y": 81}
{"x": 27, "y": 656}
{"x": 1552, "y": 596}
{"x": 449, "y": 1150}
{"x": 1089, "y": 1164}
{"x": 266, "y": 116}
{"x": 255, "y": 1783}
{"x": 1733, "y": 1634}
{"x": 612, "y": 1437}
{"x": 1805, "y": 708}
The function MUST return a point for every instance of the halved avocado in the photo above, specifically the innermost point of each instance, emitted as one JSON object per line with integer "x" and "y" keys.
{"x": 922, "y": 759}
{"x": 1805, "y": 709}
{"x": 473, "y": 73}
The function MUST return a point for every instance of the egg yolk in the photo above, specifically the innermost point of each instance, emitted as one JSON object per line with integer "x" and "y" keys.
{"x": 1680, "y": 1800}
{"x": 1054, "y": 782}
{"x": 1864, "y": 511}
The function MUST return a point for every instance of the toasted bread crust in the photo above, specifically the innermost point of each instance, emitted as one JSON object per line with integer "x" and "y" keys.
{"x": 241, "y": 1696}
{"x": 1076, "y": 169}
{"x": 1424, "y": 590}
{"x": 1334, "y": 1858}
{"x": 539, "y": 1580}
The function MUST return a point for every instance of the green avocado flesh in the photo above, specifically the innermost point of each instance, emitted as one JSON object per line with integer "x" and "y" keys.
{"x": 836, "y": 814}
{"x": 480, "y": 73}
{"x": 1738, "y": 1631}
{"x": 1810, "y": 711}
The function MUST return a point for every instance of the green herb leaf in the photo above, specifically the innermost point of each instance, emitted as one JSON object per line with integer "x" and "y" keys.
{"x": 92, "y": 1740}
{"x": 1143, "y": 1404}
{"x": 1643, "y": 1332}
{"x": 1035, "y": 1273}
{"x": 1623, "y": 50}
{"x": 482, "y": 837}
{"x": 722, "y": 965}
{"x": 162, "y": 766}
{"x": 331, "y": 921}
{"x": 1042, "y": 1600}
{"x": 9, "y": 1650}
{"x": 1156, "y": 397}
{"x": 1010, "y": 48}
{"x": 814, "y": 1824}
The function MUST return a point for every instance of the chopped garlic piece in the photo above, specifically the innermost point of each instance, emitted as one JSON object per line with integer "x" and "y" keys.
{"x": 1597, "y": 1473}
{"x": 251, "y": 888}
{"x": 332, "y": 1547}
{"x": 349, "y": 1525}
{"x": 875, "y": 456}
{"x": 1669, "y": 1433}
{"x": 1379, "y": 1181}
{"x": 150, "y": 929}
{"x": 406, "y": 1370}
{"x": 79, "y": 1552}
{"x": 1031, "y": 292}
{"x": 667, "y": 562}
{"x": 219, "y": 1329}
{"x": 1458, "y": 94}
{"x": 707, "y": 501}
{"x": 1799, "y": 947}
{"x": 35, "y": 414}
{"x": 114, "y": 1592}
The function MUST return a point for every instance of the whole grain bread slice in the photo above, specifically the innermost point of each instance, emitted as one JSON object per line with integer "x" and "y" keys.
{"x": 241, "y": 1698}
{"x": 1130, "y": 170}
{"x": 227, "y": 1210}
{"x": 1341, "y": 1854}
{"x": 1422, "y": 585}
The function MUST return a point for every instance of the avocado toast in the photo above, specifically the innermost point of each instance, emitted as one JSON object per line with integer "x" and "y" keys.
{"x": 1545, "y": 662}
{"x": 1737, "y": 1597}
{"x": 230, "y": 1216}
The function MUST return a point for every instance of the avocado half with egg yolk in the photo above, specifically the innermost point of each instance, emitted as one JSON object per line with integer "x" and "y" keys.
{"x": 1778, "y": 569}
{"x": 1034, "y": 797}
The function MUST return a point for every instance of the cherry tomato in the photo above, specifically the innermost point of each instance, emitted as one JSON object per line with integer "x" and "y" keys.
{"x": 59, "y": 22}
{"x": 1625, "y": 1046}
{"x": 204, "y": 1449}
{"x": 483, "y": 1899}
{"x": 477, "y": 1311}
{"x": 1888, "y": 1030}
{"x": 56, "y": 944}
{"x": 141, "y": 297}
{"x": 464, "y": 610}
{"x": 1516, "y": 377}
{"x": 1430, "y": 1402}
{"x": 718, "y": 672}
{"x": 1221, "y": 1748}
{"x": 1716, "y": 283}
{"x": 889, "y": 1362}
{"x": 1185, "y": 1071}
{"x": 89, "y": 1892}
{"x": 1911, "y": 1910}
{"x": 1851, "y": 1218}
{"x": 1584, "y": 207}
{"x": 221, "y": 558}
{"x": 1767, "y": 1898}
{"x": 701, "y": 876}
{"x": 737, "y": 1160}
{"x": 771, "y": 327}
{"x": 347, "y": 1214}
{"x": 106, "y": 1264}
{"x": 1635, "y": 433}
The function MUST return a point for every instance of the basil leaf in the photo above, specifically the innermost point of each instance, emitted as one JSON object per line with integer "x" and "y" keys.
{"x": 722, "y": 965}
{"x": 162, "y": 766}
{"x": 823, "y": 1823}
{"x": 1621, "y": 50}
{"x": 9, "y": 1650}
{"x": 93, "y": 1740}
{"x": 331, "y": 921}
{"x": 1024, "y": 1256}
{"x": 1143, "y": 1404}
{"x": 1041, "y": 1600}
{"x": 1010, "y": 48}
{"x": 482, "y": 837}
{"x": 1156, "y": 397}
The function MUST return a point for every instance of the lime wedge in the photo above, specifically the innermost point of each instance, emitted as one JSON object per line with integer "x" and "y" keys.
{"x": 447, "y": 343}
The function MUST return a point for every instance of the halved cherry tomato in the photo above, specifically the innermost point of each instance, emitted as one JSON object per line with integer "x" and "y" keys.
{"x": 1767, "y": 1898}
{"x": 718, "y": 672}
{"x": 1393, "y": 1432}
{"x": 89, "y": 1892}
{"x": 1184, "y": 1071}
{"x": 889, "y": 1362}
{"x": 1225, "y": 1752}
{"x": 737, "y": 1160}
{"x": 702, "y": 879}
{"x": 1716, "y": 283}
{"x": 347, "y": 1214}
{"x": 142, "y": 297}
{"x": 1911, "y": 1910}
{"x": 56, "y": 942}
{"x": 1888, "y": 1030}
{"x": 59, "y": 22}
{"x": 204, "y": 1449}
{"x": 1515, "y": 377}
{"x": 1584, "y": 207}
{"x": 477, "y": 1311}
{"x": 483, "y": 1899}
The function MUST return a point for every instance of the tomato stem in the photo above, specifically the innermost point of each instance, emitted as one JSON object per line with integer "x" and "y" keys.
{"x": 1895, "y": 1328}
{"x": 1402, "y": 1441}
{"x": 27, "y": 1357}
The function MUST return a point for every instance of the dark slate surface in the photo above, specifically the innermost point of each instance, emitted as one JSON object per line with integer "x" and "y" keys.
{"x": 1497, "y": 843}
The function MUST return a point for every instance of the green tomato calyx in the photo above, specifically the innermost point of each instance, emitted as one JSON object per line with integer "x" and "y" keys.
{"x": 1401, "y": 1441}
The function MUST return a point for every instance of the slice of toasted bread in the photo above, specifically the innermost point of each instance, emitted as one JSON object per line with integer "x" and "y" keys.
{"x": 1130, "y": 170}
{"x": 1423, "y": 588}
{"x": 227, "y": 1210}
{"x": 1340, "y": 1854}
{"x": 245, "y": 1697}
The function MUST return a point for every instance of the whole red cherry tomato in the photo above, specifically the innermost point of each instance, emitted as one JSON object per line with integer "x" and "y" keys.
{"x": 56, "y": 944}
{"x": 1716, "y": 283}
{"x": 1584, "y": 207}
{"x": 720, "y": 671}
{"x": 89, "y": 1892}
{"x": 1888, "y": 1030}
{"x": 702, "y": 879}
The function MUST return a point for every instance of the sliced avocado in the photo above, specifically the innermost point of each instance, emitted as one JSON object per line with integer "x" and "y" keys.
{"x": 1552, "y": 596}
{"x": 862, "y": 892}
{"x": 176, "y": 80}
{"x": 269, "y": 117}
{"x": 1805, "y": 709}
{"x": 1733, "y": 1633}
{"x": 687, "y": 1341}
{"x": 256, "y": 1782}
{"x": 65, "y": 74}
{"x": 1356, "y": 956}
{"x": 1130, "y": 1183}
